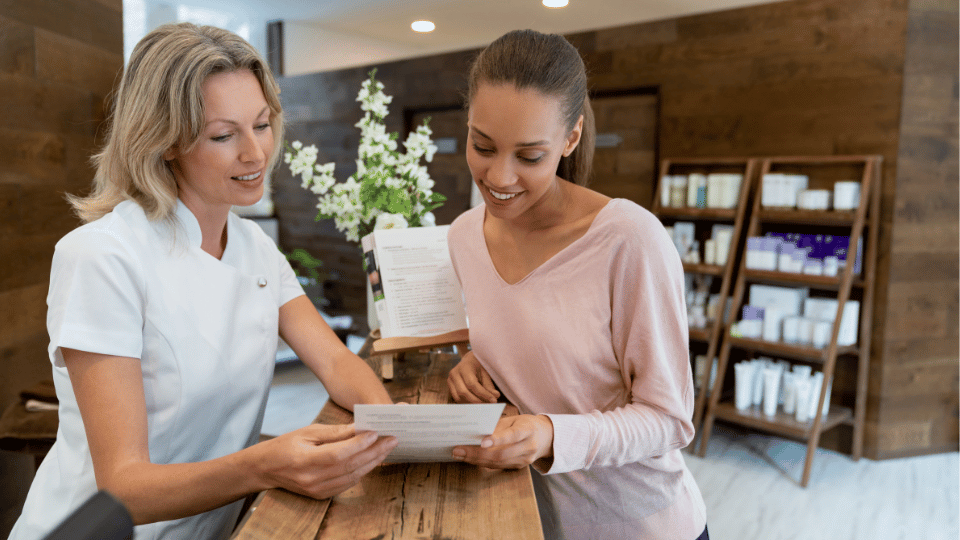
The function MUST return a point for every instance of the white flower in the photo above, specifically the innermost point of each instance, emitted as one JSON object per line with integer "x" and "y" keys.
{"x": 379, "y": 165}
{"x": 390, "y": 221}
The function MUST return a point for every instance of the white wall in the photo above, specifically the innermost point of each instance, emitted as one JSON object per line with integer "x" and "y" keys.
{"x": 309, "y": 49}
{"x": 142, "y": 16}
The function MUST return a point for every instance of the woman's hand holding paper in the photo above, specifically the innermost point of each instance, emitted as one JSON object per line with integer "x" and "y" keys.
{"x": 321, "y": 461}
{"x": 517, "y": 442}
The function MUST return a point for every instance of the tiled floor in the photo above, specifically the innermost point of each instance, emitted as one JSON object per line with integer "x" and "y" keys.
{"x": 750, "y": 482}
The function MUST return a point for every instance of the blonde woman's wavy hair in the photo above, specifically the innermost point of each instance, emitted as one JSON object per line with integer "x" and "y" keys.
{"x": 158, "y": 106}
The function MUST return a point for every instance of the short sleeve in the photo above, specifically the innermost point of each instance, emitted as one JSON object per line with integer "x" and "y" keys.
{"x": 290, "y": 287}
{"x": 96, "y": 297}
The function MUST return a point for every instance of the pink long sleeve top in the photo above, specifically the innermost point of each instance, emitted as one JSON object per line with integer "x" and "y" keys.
{"x": 596, "y": 339}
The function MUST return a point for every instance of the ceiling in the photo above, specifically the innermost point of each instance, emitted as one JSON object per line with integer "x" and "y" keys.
{"x": 382, "y": 27}
{"x": 465, "y": 23}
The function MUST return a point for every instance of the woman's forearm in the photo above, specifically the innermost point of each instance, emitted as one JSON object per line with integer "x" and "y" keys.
{"x": 354, "y": 382}
{"x": 155, "y": 492}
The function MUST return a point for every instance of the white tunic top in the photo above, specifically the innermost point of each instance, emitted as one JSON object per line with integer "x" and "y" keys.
{"x": 204, "y": 329}
{"x": 596, "y": 339}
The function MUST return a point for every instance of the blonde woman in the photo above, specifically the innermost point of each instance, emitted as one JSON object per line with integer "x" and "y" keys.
{"x": 576, "y": 309}
{"x": 164, "y": 310}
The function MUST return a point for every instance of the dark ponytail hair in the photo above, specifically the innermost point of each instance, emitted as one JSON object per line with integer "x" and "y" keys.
{"x": 549, "y": 64}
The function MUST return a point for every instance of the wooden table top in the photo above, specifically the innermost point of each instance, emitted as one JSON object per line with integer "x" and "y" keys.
{"x": 417, "y": 500}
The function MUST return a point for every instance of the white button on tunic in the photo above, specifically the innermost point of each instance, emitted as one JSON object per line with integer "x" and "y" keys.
{"x": 204, "y": 329}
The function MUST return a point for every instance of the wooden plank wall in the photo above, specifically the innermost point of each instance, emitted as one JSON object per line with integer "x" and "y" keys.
{"x": 815, "y": 77}
{"x": 915, "y": 379}
{"x": 58, "y": 61}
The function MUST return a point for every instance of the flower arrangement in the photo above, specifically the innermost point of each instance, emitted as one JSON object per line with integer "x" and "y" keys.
{"x": 389, "y": 190}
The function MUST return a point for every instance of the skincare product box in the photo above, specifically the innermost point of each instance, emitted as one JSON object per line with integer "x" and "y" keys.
{"x": 814, "y": 199}
{"x": 825, "y": 309}
{"x": 846, "y": 195}
{"x": 787, "y": 300}
{"x": 723, "y": 189}
{"x": 781, "y": 190}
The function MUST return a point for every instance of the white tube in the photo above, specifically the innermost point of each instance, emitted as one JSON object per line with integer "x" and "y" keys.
{"x": 743, "y": 371}
{"x": 757, "y": 382}
{"x": 803, "y": 399}
{"x": 816, "y": 384}
{"x": 771, "y": 390}
{"x": 789, "y": 392}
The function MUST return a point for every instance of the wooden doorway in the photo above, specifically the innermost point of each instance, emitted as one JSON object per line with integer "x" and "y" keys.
{"x": 449, "y": 166}
{"x": 625, "y": 161}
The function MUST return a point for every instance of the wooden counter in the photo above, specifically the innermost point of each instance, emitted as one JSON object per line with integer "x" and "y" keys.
{"x": 422, "y": 500}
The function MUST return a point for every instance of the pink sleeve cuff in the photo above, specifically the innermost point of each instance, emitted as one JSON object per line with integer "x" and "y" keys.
{"x": 571, "y": 443}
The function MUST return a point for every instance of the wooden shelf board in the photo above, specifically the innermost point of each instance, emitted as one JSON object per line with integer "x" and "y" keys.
{"x": 699, "y": 333}
{"x": 785, "y": 349}
{"x": 809, "y": 217}
{"x": 831, "y": 283}
{"x": 781, "y": 423}
{"x": 716, "y": 214}
{"x": 707, "y": 269}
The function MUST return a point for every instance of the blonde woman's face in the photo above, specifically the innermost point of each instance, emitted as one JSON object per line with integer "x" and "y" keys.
{"x": 515, "y": 141}
{"x": 227, "y": 165}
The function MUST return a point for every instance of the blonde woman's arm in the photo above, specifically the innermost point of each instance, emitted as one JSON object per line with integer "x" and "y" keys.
{"x": 317, "y": 461}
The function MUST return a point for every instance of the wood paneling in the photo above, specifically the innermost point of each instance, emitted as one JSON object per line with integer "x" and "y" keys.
{"x": 58, "y": 60}
{"x": 786, "y": 78}
{"x": 916, "y": 385}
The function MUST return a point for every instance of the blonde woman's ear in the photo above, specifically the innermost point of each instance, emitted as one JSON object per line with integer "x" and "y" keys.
{"x": 170, "y": 154}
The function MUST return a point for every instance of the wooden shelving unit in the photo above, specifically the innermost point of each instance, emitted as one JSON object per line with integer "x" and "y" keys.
{"x": 866, "y": 217}
{"x": 736, "y": 216}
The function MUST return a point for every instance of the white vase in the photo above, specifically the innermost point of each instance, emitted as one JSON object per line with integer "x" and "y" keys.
{"x": 372, "y": 320}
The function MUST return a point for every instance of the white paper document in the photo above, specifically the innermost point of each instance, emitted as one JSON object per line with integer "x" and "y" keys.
{"x": 428, "y": 432}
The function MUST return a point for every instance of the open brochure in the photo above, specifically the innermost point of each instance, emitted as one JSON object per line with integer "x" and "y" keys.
{"x": 415, "y": 289}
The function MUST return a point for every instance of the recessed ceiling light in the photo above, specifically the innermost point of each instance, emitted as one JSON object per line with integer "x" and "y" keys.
{"x": 422, "y": 26}
{"x": 555, "y": 3}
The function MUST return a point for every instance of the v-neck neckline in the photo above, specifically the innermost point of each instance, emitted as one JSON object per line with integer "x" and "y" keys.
{"x": 550, "y": 261}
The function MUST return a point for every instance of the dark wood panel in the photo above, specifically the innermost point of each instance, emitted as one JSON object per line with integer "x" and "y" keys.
{"x": 907, "y": 351}
{"x": 26, "y": 263}
{"x": 934, "y": 236}
{"x": 71, "y": 62}
{"x": 920, "y": 310}
{"x": 29, "y": 317}
{"x": 923, "y": 381}
{"x": 30, "y": 105}
{"x": 90, "y": 21}
{"x": 16, "y": 48}
{"x": 925, "y": 267}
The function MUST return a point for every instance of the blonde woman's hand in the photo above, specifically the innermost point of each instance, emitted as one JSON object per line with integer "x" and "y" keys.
{"x": 470, "y": 383}
{"x": 517, "y": 442}
{"x": 321, "y": 461}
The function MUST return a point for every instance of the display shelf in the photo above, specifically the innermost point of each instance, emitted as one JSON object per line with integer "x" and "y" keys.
{"x": 782, "y": 423}
{"x": 789, "y": 350}
{"x": 826, "y": 283}
{"x": 712, "y": 334}
{"x": 831, "y": 218}
{"x": 699, "y": 334}
{"x": 711, "y": 214}
{"x": 705, "y": 269}
{"x": 864, "y": 218}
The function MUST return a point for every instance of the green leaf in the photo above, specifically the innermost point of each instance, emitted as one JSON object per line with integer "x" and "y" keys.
{"x": 398, "y": 202}
{"x": 305, "y": 262}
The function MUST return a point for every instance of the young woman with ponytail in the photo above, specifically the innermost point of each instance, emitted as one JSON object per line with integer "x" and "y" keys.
{"x": 576, "y": 307}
